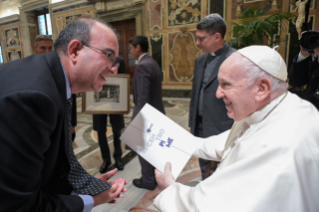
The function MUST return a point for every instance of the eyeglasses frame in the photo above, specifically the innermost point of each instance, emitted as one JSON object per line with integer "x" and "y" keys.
{"x": 108, "y": 55}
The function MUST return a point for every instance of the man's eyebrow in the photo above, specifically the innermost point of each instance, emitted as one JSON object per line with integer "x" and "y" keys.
{"x": 109, "y": 50}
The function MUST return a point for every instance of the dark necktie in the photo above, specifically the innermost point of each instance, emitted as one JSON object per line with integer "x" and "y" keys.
{"x": 82, "y": 182}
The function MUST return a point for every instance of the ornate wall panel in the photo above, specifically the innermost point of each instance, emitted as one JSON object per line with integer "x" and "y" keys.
{"x": 63, "y": 17}
{"x": 12, "y": 44}
{"x": 271, "y": 6}
{"x": 216, "y": 6}
{"x": 182, "y": 54}
{"x": 156, "y": 41}
{"x": 182, "y": 12}
{"x": 155, "y": 14}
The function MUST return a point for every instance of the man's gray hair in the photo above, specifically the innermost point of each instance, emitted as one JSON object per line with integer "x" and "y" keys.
{"x": 42, "y": 37}
{"x": 213, "y": 23}
{"x": 252, "y": 73}
{"x": 79, "y": 29}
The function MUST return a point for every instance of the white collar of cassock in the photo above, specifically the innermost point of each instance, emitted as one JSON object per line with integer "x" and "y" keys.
{"x": 260, "y": 114}
{"x": 239, "y": 128}
{"x": 212, "y": 54}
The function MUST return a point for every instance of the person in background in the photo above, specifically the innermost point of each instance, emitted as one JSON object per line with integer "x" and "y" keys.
{"x": 147, "y": 88}
{"x": 117, "y": 122}
{"x": 207, "y": 114}
{"x": 43, "y": 44}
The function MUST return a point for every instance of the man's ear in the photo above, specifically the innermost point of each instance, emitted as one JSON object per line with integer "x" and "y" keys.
{"x": 138, "y": 47}
{"x": 263, "y": 90}
{"x": 73, "y": 49}
{"x": 218, "y": 36}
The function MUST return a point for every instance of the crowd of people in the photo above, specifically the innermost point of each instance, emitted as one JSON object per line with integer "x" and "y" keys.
{"x": 260, "y": 143}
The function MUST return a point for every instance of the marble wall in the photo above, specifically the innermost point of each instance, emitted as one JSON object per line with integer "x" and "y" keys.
{"x": 170, "y": 26}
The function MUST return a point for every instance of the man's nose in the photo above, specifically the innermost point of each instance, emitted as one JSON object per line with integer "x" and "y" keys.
{"x": 219, "y": 93}
{"x": 114, "y": 70}
{"x": 197, "y": 42}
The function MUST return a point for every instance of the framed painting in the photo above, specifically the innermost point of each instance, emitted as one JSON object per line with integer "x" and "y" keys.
{"x": 13, "y": 55}
{"x": 12, "y": 37}
{"x": 114, "y": 98}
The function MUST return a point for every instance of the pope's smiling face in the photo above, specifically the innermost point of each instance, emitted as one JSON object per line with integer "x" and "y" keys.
{"x": 234, "y": 89}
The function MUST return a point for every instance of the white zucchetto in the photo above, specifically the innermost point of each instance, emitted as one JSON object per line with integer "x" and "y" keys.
{"x": 267, "y": 59}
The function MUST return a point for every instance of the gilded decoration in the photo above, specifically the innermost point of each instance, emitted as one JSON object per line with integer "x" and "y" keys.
{"x": 155, "y": 12}
{"x": 271, "y": 6}
{"x": 183, "y": 52}
{"x": 181, "y": 12}
{"x": 59, "y": 24}
{"x": 70, "y": 18}
{"x": 156, "y": 41}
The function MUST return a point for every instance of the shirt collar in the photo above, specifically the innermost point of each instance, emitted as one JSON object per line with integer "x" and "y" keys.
{"x": 260, "y": 114}
{"x": 219, "y": 51}
{"x": 139, "y": 59}
{"x": 68, "y": 88}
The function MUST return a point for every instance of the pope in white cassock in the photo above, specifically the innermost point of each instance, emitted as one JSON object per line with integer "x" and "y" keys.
{"x": 270, "y": 157}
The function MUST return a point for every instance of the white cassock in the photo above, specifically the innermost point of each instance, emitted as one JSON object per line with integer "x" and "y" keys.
{"x": 271, "y": 163}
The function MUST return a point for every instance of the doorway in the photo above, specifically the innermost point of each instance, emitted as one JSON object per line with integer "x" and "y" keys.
{"x": 126, "y": 30}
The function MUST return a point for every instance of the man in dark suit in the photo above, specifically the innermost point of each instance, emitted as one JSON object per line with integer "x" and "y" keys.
{"x": 207, "y": 114}
{"x": 117, "y": 122}
{"x": 37, "y": 163}
{"x": 305, "y": 71}
{"x": 44, "y": 44}
{"x": 147, "y": 88}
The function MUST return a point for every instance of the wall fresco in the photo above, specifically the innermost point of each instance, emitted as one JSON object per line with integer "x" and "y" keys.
{"x": 183, "y": 52}
{"x": 155, "y": 14}
{"x": 182, "y": 12}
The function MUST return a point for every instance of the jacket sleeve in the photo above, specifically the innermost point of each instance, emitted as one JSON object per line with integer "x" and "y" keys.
{"x": 299, "y": 72}
{"x": 192, "y": 105}
{"x": 28, "y": 120}
{"x": 143, "y": 87}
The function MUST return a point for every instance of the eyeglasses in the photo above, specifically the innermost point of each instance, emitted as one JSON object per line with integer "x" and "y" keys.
{"x": 111, "y": 60}
{"x": 202, "y": 38}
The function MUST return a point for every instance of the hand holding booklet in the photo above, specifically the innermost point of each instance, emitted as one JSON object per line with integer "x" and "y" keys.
{"x": 158, "y": 140}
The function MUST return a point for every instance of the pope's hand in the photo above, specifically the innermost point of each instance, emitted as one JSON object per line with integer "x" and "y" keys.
{"x": 165, "y": 179}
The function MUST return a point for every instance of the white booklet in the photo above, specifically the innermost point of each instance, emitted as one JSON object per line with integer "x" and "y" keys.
{"x": 158, "y": 139}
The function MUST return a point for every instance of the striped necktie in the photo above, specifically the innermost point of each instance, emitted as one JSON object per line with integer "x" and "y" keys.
{"x": 82, "y": 182}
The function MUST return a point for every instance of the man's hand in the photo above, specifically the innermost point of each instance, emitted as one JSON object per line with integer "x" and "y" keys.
{"x": 165, "y": 179}
{"x": 108, "y": 196}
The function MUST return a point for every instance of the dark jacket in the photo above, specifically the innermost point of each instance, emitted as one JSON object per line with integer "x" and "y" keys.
{"x": 147, "y": 85}
{"x": 215, "y": 119}
{"x": 306, "y": 72}
{"x": 34, "y": 143}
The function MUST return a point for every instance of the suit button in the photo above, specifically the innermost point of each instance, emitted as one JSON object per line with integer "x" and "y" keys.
{"x": 64, "y": 175}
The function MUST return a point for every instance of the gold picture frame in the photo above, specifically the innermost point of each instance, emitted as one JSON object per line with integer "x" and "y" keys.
{"x": 114, "y": 98}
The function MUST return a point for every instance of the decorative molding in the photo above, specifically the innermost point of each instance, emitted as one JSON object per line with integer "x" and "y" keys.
{"x": 33, "y": 5}
{"x": 69, "y": 5}
{"x": 10, "y": 19}
{"x": 136, "y": 11}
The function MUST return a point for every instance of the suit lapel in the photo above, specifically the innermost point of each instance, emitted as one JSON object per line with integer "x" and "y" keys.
{"x": 199, "y": 72}
{"x": 219, "y": 60}
{"x": 58, "y": 75}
